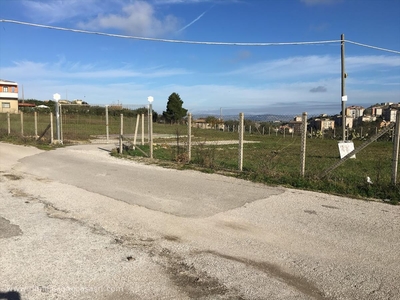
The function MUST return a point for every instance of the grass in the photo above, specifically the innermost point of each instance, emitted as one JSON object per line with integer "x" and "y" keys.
{"x": 273, "y": 159}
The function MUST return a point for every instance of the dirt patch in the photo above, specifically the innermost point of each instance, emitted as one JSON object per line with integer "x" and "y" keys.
{"x": 12, "y": 176}
{"x": 196, "y": 284}
{"x": 331, "y": 207}
{"x": 300, "y": 284}
{"x": 172, "y": 238}
{"x": 8, "y": 230}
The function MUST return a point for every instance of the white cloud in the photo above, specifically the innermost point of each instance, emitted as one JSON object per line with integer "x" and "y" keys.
{"x": 59, "y": 10}
{"x": 137, "y": 18}
{"x": 289, "y": 94}
{"x": 312, "y": 66}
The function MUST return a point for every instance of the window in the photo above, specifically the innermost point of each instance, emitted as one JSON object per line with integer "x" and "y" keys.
{"x": 13, "y": 89}
{"x": 5, "y": 105}
{"x": 5, "y": 89}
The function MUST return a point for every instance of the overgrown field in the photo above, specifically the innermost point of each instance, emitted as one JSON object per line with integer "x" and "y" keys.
{"x": 271, "y": 158}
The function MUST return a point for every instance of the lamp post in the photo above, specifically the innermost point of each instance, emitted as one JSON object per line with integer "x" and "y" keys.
{"x": 150, "y": 99}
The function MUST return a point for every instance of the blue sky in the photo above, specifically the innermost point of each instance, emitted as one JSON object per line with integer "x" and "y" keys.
{"x": 252, "y": 79}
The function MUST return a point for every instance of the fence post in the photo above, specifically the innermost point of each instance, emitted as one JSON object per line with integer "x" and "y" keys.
{"x": 22, "y": 123}
{"x": 189, "y": 137}
{"x": 61, "y": 125}
{"x": 396, "y": 143}
{"x": 8, "y": 123}
{"x": 35, "y": 115}
{"x": 303, "y": 144}
{"x": 240, "y": 130}
{"x": 58, "y": 121}
{"x": 107, "y": 126}
{"x": 136, "y": 130}
{"x": 121, "y": 132}
{"x": 51, "y": 129}
{"x": 142, "y": 129}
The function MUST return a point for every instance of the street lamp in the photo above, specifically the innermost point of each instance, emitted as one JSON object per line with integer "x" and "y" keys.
{"x": 150, "y": 99}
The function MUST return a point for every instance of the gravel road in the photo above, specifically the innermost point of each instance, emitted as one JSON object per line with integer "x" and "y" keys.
{"x": 76, "y": 223}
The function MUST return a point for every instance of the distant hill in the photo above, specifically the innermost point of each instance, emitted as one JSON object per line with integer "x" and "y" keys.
{"x": 255, "y": 118}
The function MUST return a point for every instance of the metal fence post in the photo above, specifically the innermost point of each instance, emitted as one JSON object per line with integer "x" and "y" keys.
{"x": 240, "y": 130}
{"x": 303, "y": 144}
{"x": 8, "y": 123}
{"x": 22, "y": 123}
{"x": 121, "y": 132}
{"x": 396, "y": 143}
{"x": 189, "y": 137}
{"x": 151, "y": 129}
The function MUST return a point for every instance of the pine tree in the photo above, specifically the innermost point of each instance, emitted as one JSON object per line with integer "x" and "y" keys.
{"x": 175, "y": 112}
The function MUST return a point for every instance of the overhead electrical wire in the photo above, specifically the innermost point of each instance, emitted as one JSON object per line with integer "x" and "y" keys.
{"x": 194, "y": 42}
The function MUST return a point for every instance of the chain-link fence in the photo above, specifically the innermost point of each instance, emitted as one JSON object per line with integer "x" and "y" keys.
{"x": 295, "y": 151}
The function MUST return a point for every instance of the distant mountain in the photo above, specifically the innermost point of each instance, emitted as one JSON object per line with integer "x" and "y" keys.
{"x": 255, "y": 118}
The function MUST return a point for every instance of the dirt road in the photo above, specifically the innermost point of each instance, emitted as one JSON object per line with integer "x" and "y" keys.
{"x": 76, "y": 223}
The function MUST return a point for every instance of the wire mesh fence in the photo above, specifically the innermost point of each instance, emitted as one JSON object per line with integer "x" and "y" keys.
{"x": 272, "y": 151}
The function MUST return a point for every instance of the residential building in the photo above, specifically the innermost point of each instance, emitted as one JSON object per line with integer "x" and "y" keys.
{"x": 349, "y": 121}
{"x": 354, "y": 111}
{"x": 8, "y": 96}
{"x": 323, "y": 124}
{"x": 389, "y": 114}
{"x": 376, "y": 111}
{"x": 296, "y": 124}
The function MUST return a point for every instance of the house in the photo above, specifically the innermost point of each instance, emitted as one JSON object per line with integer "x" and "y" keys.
{"x": 349, "y": 121}
{"x": 295, "y": 124}
{"x": 354, "y": 111}
{"x": 389, "y": 114}
{"x": 8, "y": 96}
{"x": 201, "y": 123}
{"x": 322, "y": 124}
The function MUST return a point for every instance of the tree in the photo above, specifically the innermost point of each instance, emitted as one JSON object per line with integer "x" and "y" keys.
{"x": 175, "y": 112}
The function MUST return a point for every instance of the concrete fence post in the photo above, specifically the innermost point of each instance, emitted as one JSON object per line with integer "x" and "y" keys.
{"x": 240, "y": 130}
{"x": 121, "y": 133}
{"x": 36, "y": 121}
{"x": 8, "y": 124}
{"x": 396, "y": 144}
{"x": 303, "y": 129}
{"x": 136, "y": 130}
{"x": 51, "y": 129}
{"x": 189, "y": 137}
{"x": 22, "y": 123}
{"x": 142, "y": 129}
{"x": 107, "y": 126}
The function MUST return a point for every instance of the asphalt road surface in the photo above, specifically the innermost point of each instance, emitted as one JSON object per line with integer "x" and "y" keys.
{"x": 76, "y": 223}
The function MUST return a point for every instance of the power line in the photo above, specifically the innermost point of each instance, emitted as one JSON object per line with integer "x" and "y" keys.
{"x": 166, "y": 40}
{"x": 193, "y": 42}
{"x": 373, "y": 47}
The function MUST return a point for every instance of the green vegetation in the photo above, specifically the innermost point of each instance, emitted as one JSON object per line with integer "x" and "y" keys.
{"x": 272, "y": 158}
{"x": 175, "y": 112}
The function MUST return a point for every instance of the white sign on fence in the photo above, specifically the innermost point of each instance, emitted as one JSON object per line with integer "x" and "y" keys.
{"x": 345, "y": 148}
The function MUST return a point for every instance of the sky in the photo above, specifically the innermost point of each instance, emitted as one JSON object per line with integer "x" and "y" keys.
{"x": 210, "y": 78}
